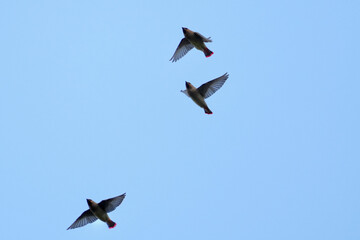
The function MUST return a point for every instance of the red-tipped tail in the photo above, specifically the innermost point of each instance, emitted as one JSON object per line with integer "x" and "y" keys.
{"x": 111, "y": 224}
{"x": 207, "y": 110}
{"x": 207, "y": 52}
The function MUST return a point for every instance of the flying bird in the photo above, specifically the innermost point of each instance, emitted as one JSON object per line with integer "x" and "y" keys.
{"x": 191, "y": 39}
{"x": 98, "y": 211}
{"x": 198, "y": 95}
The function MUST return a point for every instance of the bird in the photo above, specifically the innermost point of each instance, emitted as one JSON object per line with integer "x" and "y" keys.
{"x": 199, "y": 94}
{"x": 98, "y": 211}
{"x": 191, "y": 39}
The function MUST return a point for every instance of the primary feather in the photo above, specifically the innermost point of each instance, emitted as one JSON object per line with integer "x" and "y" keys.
{"x": 209, "y": 88}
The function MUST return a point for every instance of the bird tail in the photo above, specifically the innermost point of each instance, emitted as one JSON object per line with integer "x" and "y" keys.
{"x": 111, "y": 224}
{"x": 207, "y": 110}
{"x": 208, "y": 52}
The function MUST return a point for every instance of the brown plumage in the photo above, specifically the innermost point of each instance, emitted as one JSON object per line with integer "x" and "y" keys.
{"x": 191, "y": 39}
{"x": 98, "y": 211}
{"x": 198, "y": 95}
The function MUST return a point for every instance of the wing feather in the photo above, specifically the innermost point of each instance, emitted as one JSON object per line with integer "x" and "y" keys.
{"x": 209, "y": 88}
{"x": 201, "y": 37}
{"x": 185, "y": 92}
{"x": 85, "y": 218}
{"x": 110, "y": 204}
{"x": 184, "y": 47}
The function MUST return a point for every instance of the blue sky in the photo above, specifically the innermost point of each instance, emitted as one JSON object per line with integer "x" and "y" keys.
{"x": 90, "y": 107}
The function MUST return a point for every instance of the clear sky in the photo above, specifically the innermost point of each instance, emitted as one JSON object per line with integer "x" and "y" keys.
{"x": 90, "y": 107}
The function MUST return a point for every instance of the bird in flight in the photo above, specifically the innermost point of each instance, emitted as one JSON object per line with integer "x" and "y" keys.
{"x": 199, "y": 94}
{"x": 191, "y": 39}
{"x": 98, "y": 211}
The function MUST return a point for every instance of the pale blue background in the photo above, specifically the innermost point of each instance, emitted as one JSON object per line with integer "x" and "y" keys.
{"x": 91, "y": 108}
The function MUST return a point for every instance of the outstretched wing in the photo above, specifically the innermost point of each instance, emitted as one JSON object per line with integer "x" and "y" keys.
{"x": 184, "y": 47}
{"x": 185, "y": 92}
{"x": 209, "y": 88}
{"x": 204, "y": 39}
{"x": 85, "y": 218}
{"x": 110, "y": 204}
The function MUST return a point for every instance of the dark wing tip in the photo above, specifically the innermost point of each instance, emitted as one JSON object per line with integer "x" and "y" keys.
{"x": 183, "y": 48}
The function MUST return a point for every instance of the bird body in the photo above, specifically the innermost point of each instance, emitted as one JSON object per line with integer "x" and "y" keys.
{"x": 192, "y": 39}
{"x": 98, "y": 211}
{"x": 197, "y": 40}
{"x": 198, "y": 95}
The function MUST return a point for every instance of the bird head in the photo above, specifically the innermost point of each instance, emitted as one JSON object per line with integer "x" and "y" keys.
{"x": 184, "y": 30}
{"x": 188, "y": 85}
{"x": 89, "y": 202}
